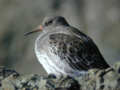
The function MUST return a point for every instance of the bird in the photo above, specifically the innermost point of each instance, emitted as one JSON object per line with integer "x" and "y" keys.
{"x": 65, "y": 50}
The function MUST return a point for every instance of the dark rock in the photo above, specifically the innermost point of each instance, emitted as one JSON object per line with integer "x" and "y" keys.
{"x": 108, "y": 79}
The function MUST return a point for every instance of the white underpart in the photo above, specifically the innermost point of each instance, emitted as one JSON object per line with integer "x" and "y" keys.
{"x": 52, "y": 63}
{"x": 58, "y": 69}
{"x": 48, "y": 65}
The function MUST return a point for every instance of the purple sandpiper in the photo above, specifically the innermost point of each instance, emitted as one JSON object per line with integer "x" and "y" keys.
{"x": 64, "y": 50}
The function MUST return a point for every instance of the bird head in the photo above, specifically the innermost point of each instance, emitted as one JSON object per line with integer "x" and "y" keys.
{"x": 52, "y": 21}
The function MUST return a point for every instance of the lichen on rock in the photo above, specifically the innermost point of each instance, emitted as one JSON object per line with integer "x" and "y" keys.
{"x": 108, "y": 79}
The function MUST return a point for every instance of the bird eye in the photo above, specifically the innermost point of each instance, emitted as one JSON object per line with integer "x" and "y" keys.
{"x": 48, "y": 23}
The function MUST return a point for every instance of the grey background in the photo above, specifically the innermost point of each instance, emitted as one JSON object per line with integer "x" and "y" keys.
{"x": 100, "y": 19}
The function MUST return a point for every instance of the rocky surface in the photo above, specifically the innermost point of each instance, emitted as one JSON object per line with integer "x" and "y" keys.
{"x": 108, "y": 79}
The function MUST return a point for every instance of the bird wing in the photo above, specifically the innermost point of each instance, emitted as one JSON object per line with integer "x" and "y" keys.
{"x": 79, "y": 52}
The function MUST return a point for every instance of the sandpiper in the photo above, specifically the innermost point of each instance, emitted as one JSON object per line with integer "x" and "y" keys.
{"x": 64, "y": 50}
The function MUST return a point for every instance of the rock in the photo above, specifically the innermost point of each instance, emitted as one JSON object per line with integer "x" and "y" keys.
{"x": 108, "y": 79}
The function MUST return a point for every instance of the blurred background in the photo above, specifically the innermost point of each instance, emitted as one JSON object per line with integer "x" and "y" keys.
{"x": 100, "y": 19}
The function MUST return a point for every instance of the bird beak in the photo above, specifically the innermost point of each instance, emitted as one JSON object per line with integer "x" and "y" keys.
{"x": 38, "y": 29}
